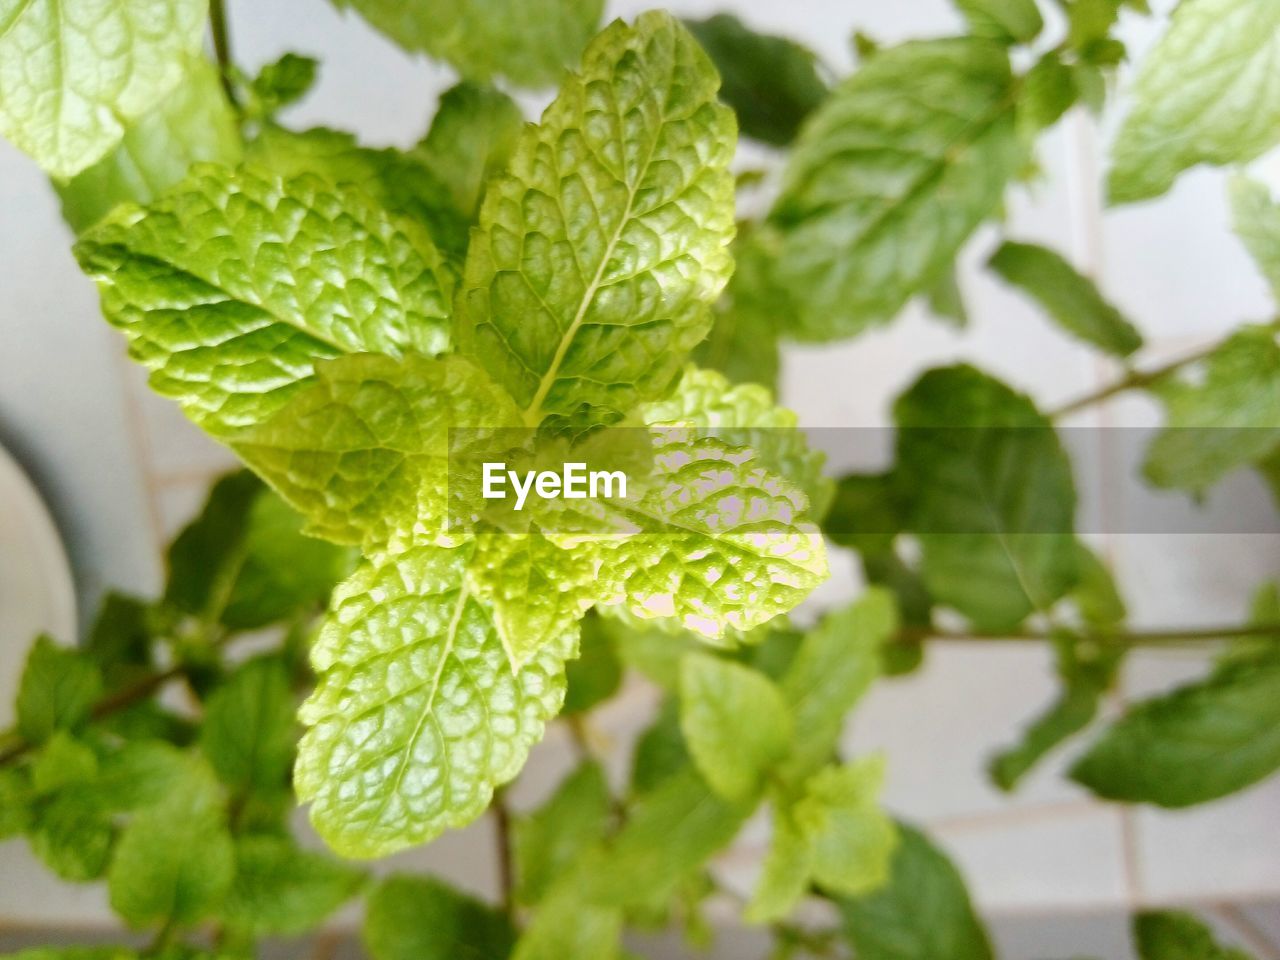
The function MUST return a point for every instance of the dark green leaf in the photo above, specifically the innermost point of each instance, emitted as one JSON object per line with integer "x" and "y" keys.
{"x": 1174, "y": 935}
{"x": 281, "y": 889}
{"x": 660, "y": 752}
{"x": 771, "y": 82}
{"x": 205, "y": 557}
{"x": 420, "y": 918}
{"x": 57, "y": 692}
{"x": 120, "y": 639}
{"x": 596, "y": 673}
{"x": 249, "y": 731}
{"x": 283, "y": 82}
{"x": 548, "y": 841}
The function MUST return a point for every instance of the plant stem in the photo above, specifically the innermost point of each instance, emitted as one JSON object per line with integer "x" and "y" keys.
{"x": 222, "y": 46}
{"x": 506, "y": 860}
{"x": 1128, "y": 638}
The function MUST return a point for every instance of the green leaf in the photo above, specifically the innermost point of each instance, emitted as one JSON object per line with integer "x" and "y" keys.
{"x": 946, "y": 301}
{"x": 596, "y": 674}
{"x": 529, "y": 42}
{"x": 231, "y": 286}
{"x": 119, "y": 641}
{"x": 363, "y": 452}
{"x": 280, "y": 889}
{"x": 1049, "y": 90}
{"x": 1009, "y": 21}
{"x": 194, "y": 123}
{"x": 1188, "y": 109}
{"x": 889, "y": 178}
{"x": 1200, "y": 742}
{"x": 204, "y": 559}
{"x": 1087, "y": 670}
{"x": 57, "y": 691}
{"x": 733, "y": 756}
{"x": 281, "y": 83}
{"x": 1256, "y": 218}
{"x": 835, "y": 665}
{"x": 661, "y": 751}
{"x": 249, "y": 728}
{"x": 1069, "y": 298}
{"x": 987, "y": 487}
{"x": 1227, "y": 419}
{"x": 420, "y": 918}
{"x": 174, "y": 861}
{"x": 1175, "y": 935}
{"x": 63, "y": 761}
{"x": 851, "y": 836}
{"x": 742, "y": 344}
{"x": 402, "y": 183}
{"x": 771, "y": 82}
{"x": 585, "y": 290}
{"x": 17, "y": 795}
{"x": 787, "y": 870}
{"x": 923, "y": 914}
{"x": 566, "y": 926}
{"x": 72, "y": 838}
{"x": 746, "y": 416}
{"x": 471, "y": 138}
{"x": 1096, "y": 595}
{"x": 77, "y": 73}
{"x": 417, "y": 715}
{"x": 548, "y": 841}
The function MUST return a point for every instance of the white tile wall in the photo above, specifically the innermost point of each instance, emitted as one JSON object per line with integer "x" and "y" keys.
{"x": 122, "y": 470}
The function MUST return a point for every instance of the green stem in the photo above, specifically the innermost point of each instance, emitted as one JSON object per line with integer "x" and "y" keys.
{"x": 222, "y": 46}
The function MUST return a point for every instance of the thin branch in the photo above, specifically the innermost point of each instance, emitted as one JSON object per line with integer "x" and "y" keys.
{"x": 1127, "y": 638}
{"x": 222, "y": 46}
{"x": 506, "y": 858}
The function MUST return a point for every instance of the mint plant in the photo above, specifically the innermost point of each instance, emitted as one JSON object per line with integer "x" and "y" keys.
{"x": 363, "y": 327}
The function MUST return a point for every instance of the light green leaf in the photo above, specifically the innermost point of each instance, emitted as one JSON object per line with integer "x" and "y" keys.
{"x": 852, "y": 837}
{"x": 569, "y": 925}
{"x": 733, "y": 756}
{"x": 62, "y": 762}
{"x": 174, "y": 861}
{"x": 1009, "y": 21}
{"x": 402, "y": 183}
{"x": 280, "y": 889}
{"x": 249, "y": 728}
{"x": 1200, "y": 742}
{"x": 1096, "y": 595}
{"x": 1049, "y": 90}
{"x": 74, "y": 74}
{"x": 58, "y": 689}
{"x": 281, "y": 83}
{"x": 746, "y": 416}
{"x": 987, "y": 487}
{"x": 420, "y": 918}
{"x": 363, "y": 452}
{"x": 417, "y": 715}
{"x": 72, "y": 838}
{"x": 471, "y": 138}
{"x": 1227, "y": 419}
{"x": 1175, "y": 935}
{"x": 548, "y": 841}
{"x": 787, "y": 870}
{"x": 889, "y": 178}
{"x": 923, "y": 914}
{"x": 596, "y": 674}
{"x": 771, "y": 82}
{"x": 230, "y": 287}
{"x": 1256, "y": 218}
{"x": 946, "y": 301}
{"x": 835, "y": 665}
{"x": 1200, "y": 97}
{"x": 529, "y": 42}
{"x": 1069, "y": 298}
{"x": 588, "y": 280}
{"x": 17, "y": 794}
{"x": 194, "y": 123}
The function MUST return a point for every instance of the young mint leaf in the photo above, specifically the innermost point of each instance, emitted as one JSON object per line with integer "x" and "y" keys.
{"x": 231, "y": 286}
{"x": 568, "y": 298}
{"x": 1049, "y": 90}
{"x": 249, "y": 728}
{"x": 787, "y": 870}
{"x": 58, "y": 689}
{"x": 1096, "y": 596}
{"x": 402, "y": 183}
{"x": 566, "y": 926}
{"x": 1256, "y": 218}
{"x": 771, "y": 82}
{"x": 1069, "y": 298}
{"x": 363, "y": 452}
{"x": 471, "y": 138}
{"x": 923, "y": 914}
{"x": 548, "y": 841}
{"x": 420, "y": 918}
{"x": 529, "y": 42}
{"x": 1200, "y": 742}
{"x": 987, "y": 487}
{"x": 597, "y": 672}
{"x": 1175, "y": 935}
{"x": 63, "y": 761}
{"x": 280, "y": 889}
{"x": 854, "y": 244}
{"x": 417, "y": 715}
{"x": 174, "y": 861}
{"x": 192, "y": 124}
{"x": 77, "y": 73}
{"x": 746, "y": 416}
{"x": 204, "y": 558}
{"x": 733, "y": 757}
{"x": 852, "y": 837}
{"x": 1009, "y": 21}
{"x": 281, "y": 83}
{"x": 835, "y": 665}
{"x": 1228, "y": 419}
{"x": 1187, "y": 109}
